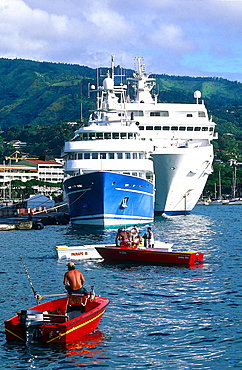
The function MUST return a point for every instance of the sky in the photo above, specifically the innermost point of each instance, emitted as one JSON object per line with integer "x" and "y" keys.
{"x": 175, "y": 37}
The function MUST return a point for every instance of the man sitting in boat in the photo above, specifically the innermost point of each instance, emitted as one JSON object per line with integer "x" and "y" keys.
{"x": 136, "y": 237}
{"x": 123, "y": 238}
{"x": 74, "y": 280}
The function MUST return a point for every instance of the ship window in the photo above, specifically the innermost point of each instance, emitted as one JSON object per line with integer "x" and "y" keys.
{"x": 204, "y": 128}
{"x": 189, "y": 114}
{"x": 99, "y": 135}
{"x": 201, "y": 114}
{"x": 141, "y": 128}
{"x": 149, "y": 127}
{"x": 134, "y": 174}
{"x": 115, "y": 135}
{"x": 92, "y": 135}
{"x": 94, "y": 155}
{"x": 103, "y": 155}
{"x": 130, "y": 135}
{"x": 210, "y": 128}
{"x": 71, "y": 156}
{"x": 120, "y": 155}
{"x": 111, "y": 155}
{"x": 138, "y": 113}
{"x": 189, "y": 128}
{"x": 127, "y": 156}
{"x": 162, "y": 113}
{"x": 174, "y": 128}
{"x": 85, "y": 136}
{"x": 107, "y": 135}
{"x": 79, "y": 156}
{"x": 166, "y": 128}
{"x": 86, "y": 155}
{"x": 182, "y": 128}
{"x": 123, "y": 135}
{"x": 135, "y": 155}
{"x": 197, "y": 129}
{"x": 157, "y": 128}
{"x": 140, "y": 156}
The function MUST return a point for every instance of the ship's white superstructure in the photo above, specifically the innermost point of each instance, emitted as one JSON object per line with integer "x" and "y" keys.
{"x": 110, "y": 141}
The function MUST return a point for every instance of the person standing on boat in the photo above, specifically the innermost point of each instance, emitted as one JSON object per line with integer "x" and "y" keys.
{"x": 136, "y": 237}
{"x": 74, "y": 280}
{"x": 150, "y": 238}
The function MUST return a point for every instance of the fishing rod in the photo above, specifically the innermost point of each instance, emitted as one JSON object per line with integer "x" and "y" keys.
{"x": 37, "y": 296}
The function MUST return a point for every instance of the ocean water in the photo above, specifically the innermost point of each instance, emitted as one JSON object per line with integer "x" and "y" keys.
{"x": 158, "y": 317}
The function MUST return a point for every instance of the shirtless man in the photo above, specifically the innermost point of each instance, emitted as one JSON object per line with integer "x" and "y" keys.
{"x": 74, "y": 280}
{"x": 123, "y": 236}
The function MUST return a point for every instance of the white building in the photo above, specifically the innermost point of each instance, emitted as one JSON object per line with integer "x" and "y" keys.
{"x": 28, "y": 169}
{"x": 48, "y": 171}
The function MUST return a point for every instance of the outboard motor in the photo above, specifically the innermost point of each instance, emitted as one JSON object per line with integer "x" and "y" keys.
{"x": 92, "y": 293}
{"x": 33, "y": 321}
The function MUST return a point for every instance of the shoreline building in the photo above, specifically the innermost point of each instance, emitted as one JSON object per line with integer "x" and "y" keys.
{"x": 28, "y": 169}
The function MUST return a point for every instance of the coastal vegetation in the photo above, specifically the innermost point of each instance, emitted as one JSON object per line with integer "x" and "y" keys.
{"x": 41, "y": 101}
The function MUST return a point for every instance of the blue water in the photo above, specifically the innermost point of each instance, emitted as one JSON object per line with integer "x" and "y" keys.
{"x": 158, "y": 317}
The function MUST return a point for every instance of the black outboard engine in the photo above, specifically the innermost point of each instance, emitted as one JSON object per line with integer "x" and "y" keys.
{"x": 32, "y": 320}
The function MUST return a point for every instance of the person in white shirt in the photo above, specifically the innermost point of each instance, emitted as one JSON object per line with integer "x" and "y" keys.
{"x": 150, "y": 238}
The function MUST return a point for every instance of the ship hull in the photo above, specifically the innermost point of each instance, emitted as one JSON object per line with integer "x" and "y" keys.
{"x": 180, "y": 178}
{"x": 108, "y": 199}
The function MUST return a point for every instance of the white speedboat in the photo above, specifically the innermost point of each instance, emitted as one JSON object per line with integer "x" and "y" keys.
{"x": 79, "y": 252}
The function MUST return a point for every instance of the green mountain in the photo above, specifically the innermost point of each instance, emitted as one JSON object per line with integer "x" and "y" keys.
{"x": 39, "y": 98}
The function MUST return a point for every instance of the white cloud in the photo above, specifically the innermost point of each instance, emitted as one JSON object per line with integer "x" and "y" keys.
{"x": 170, "y": 34}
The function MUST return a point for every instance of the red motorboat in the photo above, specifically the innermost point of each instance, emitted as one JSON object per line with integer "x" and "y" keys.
{"x": 161, "y": 254}
{"x": 63, "y": 320}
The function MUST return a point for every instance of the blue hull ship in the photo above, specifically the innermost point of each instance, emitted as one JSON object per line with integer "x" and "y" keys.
{"x": 108, "y": 199}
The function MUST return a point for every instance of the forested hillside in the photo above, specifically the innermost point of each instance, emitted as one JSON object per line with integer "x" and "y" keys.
{"x": 39, "y": 98}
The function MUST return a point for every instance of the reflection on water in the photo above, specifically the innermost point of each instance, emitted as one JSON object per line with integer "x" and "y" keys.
{"x": 159, "y": 317}
{"x": 90, "y": 350}
{"x": 193, "y": 231}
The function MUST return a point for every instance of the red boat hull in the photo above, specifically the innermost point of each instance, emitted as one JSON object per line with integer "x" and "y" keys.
{"x": 149, "y": 255}
{"x": 60, "y": 327}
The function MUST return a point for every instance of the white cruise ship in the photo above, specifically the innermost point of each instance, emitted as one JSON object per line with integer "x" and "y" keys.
{"x": 181, "y": 136}
{"x": 176, "y": 136}
{"x": 182, "y": 151}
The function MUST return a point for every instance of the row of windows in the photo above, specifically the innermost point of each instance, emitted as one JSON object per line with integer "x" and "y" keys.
{"x": 124, "y": 135}
{"x": 165, "y": 113}
{"x": 56, "y": 173}
{"x": 106, "y": 135}
{"x": 176, "y": 128}
{"x": 105, "y": 156}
